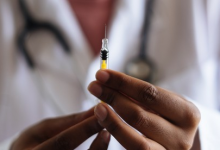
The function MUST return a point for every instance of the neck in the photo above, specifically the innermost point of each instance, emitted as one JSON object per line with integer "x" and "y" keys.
{"x": 92, "y": 16}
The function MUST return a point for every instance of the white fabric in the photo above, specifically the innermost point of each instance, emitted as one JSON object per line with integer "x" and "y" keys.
{"x": 209, "y": 129}
{"x": 184, "y": 44}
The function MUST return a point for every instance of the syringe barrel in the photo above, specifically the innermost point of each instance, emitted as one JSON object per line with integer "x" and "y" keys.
{"x": 104, "y": 54}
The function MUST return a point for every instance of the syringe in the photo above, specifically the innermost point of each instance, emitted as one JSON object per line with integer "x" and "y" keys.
{"x": 104, "y": 54}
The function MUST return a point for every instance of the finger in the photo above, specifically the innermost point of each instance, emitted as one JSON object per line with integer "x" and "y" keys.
{"x": 127, "y": 136}
{"x": 101, "y": 142}
{"x": 72, "y": 137}
{"x": 165, "y": 103}
{"x": 51, "y": 127}
{"x": 149, "y": 124}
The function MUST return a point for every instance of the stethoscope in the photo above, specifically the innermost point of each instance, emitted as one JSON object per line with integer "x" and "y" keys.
{"x": 140, "y": 67}
{"x": 32, "y": 25}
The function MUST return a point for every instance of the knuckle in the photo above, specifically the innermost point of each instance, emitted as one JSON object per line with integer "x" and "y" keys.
{"x": 196, "y": 114}
{"x": 122, "y": 82}
{"x": 91, "y": 129}
{"x": 140, "y": 119}
{"x": 113, "y": 127}
{"x": 109, "y": 96}
{"x": 184, "y": 145}
{"x": 148, "y": 94}
{"x": 144, "y": 146}
{"x": 192, "y": 115}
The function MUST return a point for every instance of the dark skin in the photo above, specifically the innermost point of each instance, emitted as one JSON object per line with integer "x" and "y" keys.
{"x": 165, "y": 120}
{"x": 64, "y": 133}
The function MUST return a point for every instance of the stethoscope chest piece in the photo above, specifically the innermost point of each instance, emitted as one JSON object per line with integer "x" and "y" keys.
{"x": 140, "y": 68}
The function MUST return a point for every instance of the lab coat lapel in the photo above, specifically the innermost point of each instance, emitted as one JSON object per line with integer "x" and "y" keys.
{"x": 67, "y": 94}
{"x": 60, "y": 14}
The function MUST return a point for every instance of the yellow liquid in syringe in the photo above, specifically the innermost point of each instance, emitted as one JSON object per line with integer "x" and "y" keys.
{"x": 104, "y": 64}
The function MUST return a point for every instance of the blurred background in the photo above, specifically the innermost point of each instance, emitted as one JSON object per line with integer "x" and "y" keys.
{"x": 50, "y": 52}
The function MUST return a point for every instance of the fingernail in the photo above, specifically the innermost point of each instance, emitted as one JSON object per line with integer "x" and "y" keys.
{"x": 105, "y": 136}
{"x": 100, "y": 112}
{"x": 102, "y": 76}
{"x": 95, "y": 89}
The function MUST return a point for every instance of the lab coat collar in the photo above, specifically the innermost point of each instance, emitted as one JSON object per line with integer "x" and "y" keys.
{"x": 60, "y": 15}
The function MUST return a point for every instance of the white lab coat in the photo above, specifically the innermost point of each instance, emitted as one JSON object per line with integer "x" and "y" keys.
{"x": 184, "y": 45}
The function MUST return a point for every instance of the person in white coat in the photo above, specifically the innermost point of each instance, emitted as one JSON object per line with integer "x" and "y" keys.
{"x": 183, "y": 44}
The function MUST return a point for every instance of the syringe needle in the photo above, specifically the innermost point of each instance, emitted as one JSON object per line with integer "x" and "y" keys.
{"x": 104, "y": 52}
{"x": 105, "y": 32}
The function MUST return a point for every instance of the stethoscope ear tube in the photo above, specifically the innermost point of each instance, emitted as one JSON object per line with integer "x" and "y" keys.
{"x": 57, "y": 34}
{"x": 32, "y": 25}
{"x": 22, "y": 48}
{"x": 41, "y": 26}
{"x": 146, "y": 27}
{"x": 142, "y": 67}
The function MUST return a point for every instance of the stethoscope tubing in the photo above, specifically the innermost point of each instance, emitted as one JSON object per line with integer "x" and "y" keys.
{"x": 146, "y": 28}
{"x": 32, "y": 25}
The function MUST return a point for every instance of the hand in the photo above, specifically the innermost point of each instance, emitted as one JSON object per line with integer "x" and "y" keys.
{"x": 165, "y": 120}
{"x": 64, "y": 133}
